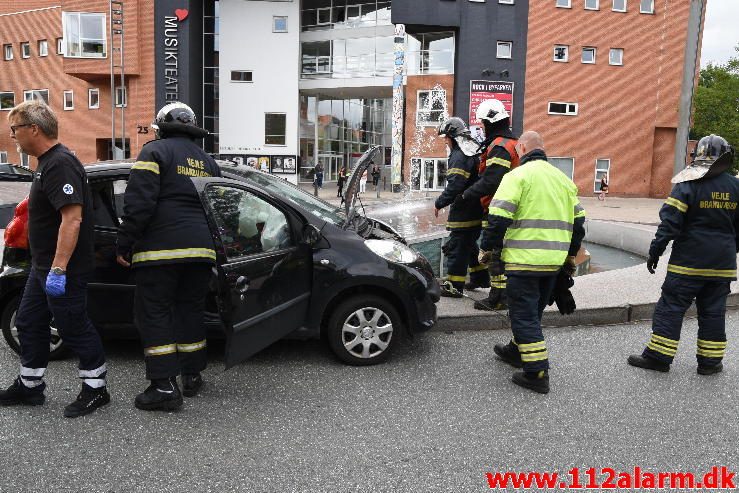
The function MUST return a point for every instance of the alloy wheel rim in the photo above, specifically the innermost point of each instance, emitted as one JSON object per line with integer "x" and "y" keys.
{"x": 367, "y": 332}
{"x": 55, "y": 342}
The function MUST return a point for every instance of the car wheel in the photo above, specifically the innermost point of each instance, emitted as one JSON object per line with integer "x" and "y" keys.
{"x": 57, "y": 349}
{"x": 363, "y": 330}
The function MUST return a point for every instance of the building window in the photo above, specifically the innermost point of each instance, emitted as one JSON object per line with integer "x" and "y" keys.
{"x": 279, "y": 24}
{"x": 431, "y": 108}
{"x": 646, "y": 7}
{"x": 616, "y": 56}
{"x": 588, "y": 55}
{"x": 602, "y": 169}
{"x": 561, "y": 53}
{"x": 7, "y": 100}
{"x": 26, "y": 50}
{"x": 24, "y": 160}
{"x": 241, "y": 76}
{"x": 565, "y": 4}
{"x": 432, "y": 173}
{"x": 3, "y": 156}
{"x": 121, "y": 97}
{"x": 43, "y": 48}
{"x": 565, "y": 164}
{"x": 507, "y": 2}
{"x": 68, "y": 100}
{"x": 324, "y": 16}
{"x": 592, "y": 4}
{"x": 275, "y": 129}
{"x": 8, "y": 52}
{"x": 59, "y": 46}
{"x": 557, "y": 108}
{"x": 505, "y": 49}
{"x": 430, "y": 53}
{"x": 84, "y": 35}
{"x": 93, "y": 99}
{"x": 619, "y": 5}
{"x": 36, "y": 95}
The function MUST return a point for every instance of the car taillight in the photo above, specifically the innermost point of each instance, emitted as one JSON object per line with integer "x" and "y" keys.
{"x": 16, "y": 234}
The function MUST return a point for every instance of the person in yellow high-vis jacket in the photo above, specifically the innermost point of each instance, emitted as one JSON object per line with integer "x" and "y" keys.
{"x": 536, "y": 226}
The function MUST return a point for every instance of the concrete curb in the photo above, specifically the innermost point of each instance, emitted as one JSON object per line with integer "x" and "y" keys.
{"x": 590, "y": 316}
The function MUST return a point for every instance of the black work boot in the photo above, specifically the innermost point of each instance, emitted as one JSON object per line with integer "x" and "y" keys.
{"x": 191, "y": 384}
{"x": 19, "y": 394}
{"x": 536, "y": 381}
{"x": 710, "y": 370}
{"x": 449, "y": 291}
{"x": 162, "y": 395}
{"x": 648, "y": 363}
{"x": 508, "y": 353}
{"x": 87, "y": 401}
{"x": 496, "y": 300}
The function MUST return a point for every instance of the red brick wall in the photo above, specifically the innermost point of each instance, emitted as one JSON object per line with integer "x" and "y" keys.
{"x": 628, "y": 113}
{"x": 79, "y": 129}
{"x": 424, "y": 141}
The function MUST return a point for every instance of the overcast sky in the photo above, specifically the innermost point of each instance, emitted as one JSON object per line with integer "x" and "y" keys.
{"x": 721, "y": 31}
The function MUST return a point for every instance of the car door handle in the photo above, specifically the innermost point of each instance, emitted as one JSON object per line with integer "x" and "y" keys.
{"x": 242, "y": 284}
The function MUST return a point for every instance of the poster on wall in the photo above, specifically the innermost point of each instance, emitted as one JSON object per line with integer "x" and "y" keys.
{"x": 480, "y": 90}
{"x": 263, "y": 163}
{"x": 284, "y": 165}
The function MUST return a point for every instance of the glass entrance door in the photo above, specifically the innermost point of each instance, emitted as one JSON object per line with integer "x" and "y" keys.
{"x": 432, "y": 174}
{"x": 331, "y": 166}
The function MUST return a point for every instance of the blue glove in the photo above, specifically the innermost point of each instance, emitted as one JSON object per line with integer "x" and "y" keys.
{"x": 56, "y": 284}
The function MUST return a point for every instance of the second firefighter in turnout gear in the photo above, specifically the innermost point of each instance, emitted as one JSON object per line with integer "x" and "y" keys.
{"x": 700, "y": 217}
{"x": 536, "y": 228}
{"x": 164, "y": 236}
{"x": 498, "y": 157}
{"x": 465, "y": 216}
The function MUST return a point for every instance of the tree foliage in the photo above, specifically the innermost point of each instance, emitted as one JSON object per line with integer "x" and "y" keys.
{"x": 717, "y": 103}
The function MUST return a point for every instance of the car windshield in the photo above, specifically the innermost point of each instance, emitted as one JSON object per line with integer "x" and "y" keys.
{"x": 286, "y": 190}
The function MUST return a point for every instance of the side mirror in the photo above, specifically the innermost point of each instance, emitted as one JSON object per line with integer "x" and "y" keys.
{"x": 311, "y": 235}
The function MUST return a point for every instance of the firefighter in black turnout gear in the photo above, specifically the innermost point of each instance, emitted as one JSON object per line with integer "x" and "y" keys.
{"x": 164, "y": 236}
{"x": 465, "y": 216}
{"x": 700, "y": 216}
{"x": 498, "y": 157}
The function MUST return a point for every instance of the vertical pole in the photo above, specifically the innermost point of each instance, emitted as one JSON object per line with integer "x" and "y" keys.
{"x": 123, "y": 85}
{"x": 397, "y": 129}
{"x": 112, "y": 80}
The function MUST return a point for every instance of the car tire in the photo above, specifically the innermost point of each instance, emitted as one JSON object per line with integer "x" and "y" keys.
{"x": 363, "y": 330}
{"x": 57, "y": 350}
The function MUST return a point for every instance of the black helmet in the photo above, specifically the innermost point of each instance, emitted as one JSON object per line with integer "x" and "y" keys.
{"x": 177, "y": 118}
{"x": 713, "y": 155}
{"x": 453, "y": 127}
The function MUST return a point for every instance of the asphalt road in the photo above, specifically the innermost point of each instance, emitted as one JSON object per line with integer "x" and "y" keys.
{"x": 436, "y": 417}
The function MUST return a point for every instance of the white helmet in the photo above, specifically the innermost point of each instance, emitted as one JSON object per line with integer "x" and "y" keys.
{"x": 491, "y": 110}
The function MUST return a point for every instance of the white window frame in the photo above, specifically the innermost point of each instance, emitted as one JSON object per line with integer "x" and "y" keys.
{"x": 597, "y": 5}
{"x": 43, "y": 47}
{"x": 318, "y": 16}
{"x": 567, "y": 112}
{"x": 26, "y": 49}
{"x": 32, "y": 92}
{"x": 64, "y": 100}
{"x": 3, "y": 156}
{"x": 60, "y": 46}
{"x": 596, "y": 180}
{"x": 572, "y": 175}
{"x": 25, "y": 160}
{"x": 90, "y": 92}
{"x": 641, "y": 7}
{"x": 503, "y": 43}
{"x": 121, "y": 93}
{"x": 427, "y": 123}
{"x": 421, "y": 163}
{"x": 243, "y": 81}
{"x": 595, "y": 53}
{"x": 103, "y": 20}
{"x": 274, "y": 135}
{"x": 610, "y": 56}
{"x": 274, "y": 23}
{"x": 568, "y": 2}
{"x": 8, "y": 92}
{"x": 567, "y": 53}
{"x": 507, "y": 2}
{"x": 625, "y": 9}
{"x": 8, "y": 51}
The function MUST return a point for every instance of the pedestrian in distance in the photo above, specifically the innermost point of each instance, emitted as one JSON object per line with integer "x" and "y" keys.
{"x": 700, "y": 218}
{"x": 375, "y": 176}
{"x": 164, "y": 237}
{"x": 318, "y": 176}
{"x": 340, "y": 182}
{"x": 603, "y": 188}
{"x": 536, "y": 227}
{"x": 60, "y": 230}
{"x": 498, "y": 156}
{"x": 363, "y": 182}
{"x": 465, "y": 216}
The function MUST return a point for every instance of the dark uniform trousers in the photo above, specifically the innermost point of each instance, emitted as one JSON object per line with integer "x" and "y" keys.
{"x": 169, "y": 312}
{"x": 527, "y": 297}
{"x": 69, "y": 312}
{"x": 678, "y": 293}
{"x": 461, "y": 253}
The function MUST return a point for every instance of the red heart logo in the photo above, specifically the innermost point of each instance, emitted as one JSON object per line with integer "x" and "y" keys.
{"x": 181, "y": 14}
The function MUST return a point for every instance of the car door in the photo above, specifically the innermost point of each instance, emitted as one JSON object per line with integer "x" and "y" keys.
{"x": 264, "y": 271}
